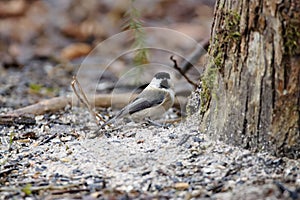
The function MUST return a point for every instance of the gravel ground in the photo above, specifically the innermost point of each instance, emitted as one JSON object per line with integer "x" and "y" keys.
{"x": 54, "y": 159}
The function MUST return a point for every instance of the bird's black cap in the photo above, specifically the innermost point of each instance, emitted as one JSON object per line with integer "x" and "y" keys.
{"x": 162, "y": 75}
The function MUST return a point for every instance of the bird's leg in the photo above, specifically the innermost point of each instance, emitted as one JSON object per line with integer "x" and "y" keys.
{"x": 96, "y": 133}
{"x": 155, "y": 123}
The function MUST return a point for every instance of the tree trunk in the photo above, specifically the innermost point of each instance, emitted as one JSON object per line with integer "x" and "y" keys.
{"x": 250, "y": 92}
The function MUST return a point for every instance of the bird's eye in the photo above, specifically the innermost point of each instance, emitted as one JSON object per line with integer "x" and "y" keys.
{"x": 164, "y": 84}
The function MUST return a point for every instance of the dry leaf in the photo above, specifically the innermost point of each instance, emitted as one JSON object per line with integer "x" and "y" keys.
{"x": 12, "y": 8}
{"x": 75, "y": 50}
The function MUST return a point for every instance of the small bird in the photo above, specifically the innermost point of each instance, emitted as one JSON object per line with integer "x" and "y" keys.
{"x": 151, "y": 103}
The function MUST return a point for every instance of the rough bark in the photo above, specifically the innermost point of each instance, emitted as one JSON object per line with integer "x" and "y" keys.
{"x": 250, "y": 93}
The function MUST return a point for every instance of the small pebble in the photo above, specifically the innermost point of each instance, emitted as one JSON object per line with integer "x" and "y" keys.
{"x": 172, "y": 136}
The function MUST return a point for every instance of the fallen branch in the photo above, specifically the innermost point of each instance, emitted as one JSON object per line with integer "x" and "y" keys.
{"x": 42, "y": 107}
{"x": 59, "y": 103}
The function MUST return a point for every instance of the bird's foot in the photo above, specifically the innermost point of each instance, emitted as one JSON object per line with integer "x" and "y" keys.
{"x": 96, "y": 133}
{"x": 156, "y": 123}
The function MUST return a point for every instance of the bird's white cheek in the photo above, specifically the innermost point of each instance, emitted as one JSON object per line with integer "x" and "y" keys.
{"x": 172, "y": 96}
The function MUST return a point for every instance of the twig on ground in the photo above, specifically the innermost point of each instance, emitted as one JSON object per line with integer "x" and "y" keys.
{"x": 182, "y": 73}
{"x": 83, "y": 99}
{"x": 5, "y": 172}
{"x": 16, "y": 119}
{"x": 47, "y": 187}
{"x": 48, "y": 139}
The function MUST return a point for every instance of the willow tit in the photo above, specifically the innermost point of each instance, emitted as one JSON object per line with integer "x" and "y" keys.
{"x": 151, "y": 103}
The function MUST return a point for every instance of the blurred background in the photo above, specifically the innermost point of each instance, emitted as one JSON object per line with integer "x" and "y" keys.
{"x": 43, "y": 43}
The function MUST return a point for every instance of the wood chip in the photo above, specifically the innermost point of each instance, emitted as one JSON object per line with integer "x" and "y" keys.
{"x": 181, "y": 186}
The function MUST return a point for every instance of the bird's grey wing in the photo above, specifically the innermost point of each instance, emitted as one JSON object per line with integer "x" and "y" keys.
{"x": 141, "y": 103}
